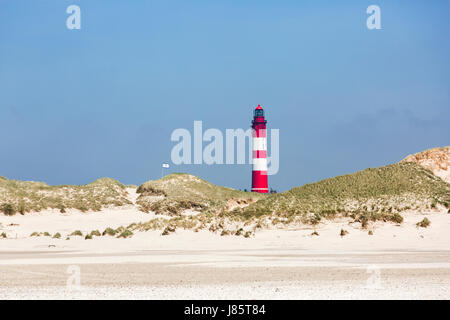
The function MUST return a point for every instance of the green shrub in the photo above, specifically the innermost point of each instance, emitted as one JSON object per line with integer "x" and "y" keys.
{"x": 120, "y": 229}
{"x": 76, "y": 233}
{"x": 109, "y": 232}
{"x": 168, "y": 230}
{"x": 364, "y": 221}
{"x": 46, "y": 234}
{"x": 343, "y": 232}
{"x": 35, "y": 234}
{"x": 315, "y": 219}
{"x": 433, "y": 204}
{"x": 8, "y": 209}
{"x": 57, "y": 235}
{"x": 88, "y": 237}
{"x": 3, "y": 235}
{"x": 424, "y": 223}
{"x": 21, "y": 209}
{"x": 125, "y": 234}
{"x": 95, "y": 233}
{"x": 396, "y": 218}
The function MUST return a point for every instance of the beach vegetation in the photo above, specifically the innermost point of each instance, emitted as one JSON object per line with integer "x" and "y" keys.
{"x": 126, "y": 234}
{"x": 425, "y": 223}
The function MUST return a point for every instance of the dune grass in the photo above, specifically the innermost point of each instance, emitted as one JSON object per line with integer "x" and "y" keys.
{"x": 425, "y": 223}
{"x": 26, "y": 196}
{"x": 178, "y": 192}
{"x": 372, "y": 194}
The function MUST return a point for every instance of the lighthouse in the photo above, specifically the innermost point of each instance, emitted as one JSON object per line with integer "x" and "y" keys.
{"x": 259, "y": 172}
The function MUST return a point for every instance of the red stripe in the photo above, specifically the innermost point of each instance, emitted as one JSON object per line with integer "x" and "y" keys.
{"x": 259, "y": 154}
{"x": 260, "y": 172}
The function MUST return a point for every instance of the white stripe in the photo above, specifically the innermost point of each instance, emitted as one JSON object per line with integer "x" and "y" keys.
{"x": 259, "y": 144}
{"x": 260, "y": 164}
{"x": 260, "y": 188}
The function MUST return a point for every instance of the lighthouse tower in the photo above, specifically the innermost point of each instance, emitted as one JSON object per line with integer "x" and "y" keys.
{"x": 259, "y": 173}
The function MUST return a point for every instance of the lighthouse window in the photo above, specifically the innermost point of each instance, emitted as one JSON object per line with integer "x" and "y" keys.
{"x": 259, "y": 113}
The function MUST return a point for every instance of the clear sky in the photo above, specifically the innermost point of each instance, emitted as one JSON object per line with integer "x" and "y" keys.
{"x": 77, "y": 105}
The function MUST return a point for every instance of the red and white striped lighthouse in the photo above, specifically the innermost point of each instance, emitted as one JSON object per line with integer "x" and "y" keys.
{"x": 259, "y": 173}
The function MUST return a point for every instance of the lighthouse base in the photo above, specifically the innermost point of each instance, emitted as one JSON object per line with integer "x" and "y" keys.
{"x": 259, "y": 182}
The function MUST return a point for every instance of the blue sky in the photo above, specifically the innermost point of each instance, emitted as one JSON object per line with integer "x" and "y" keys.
{"x": 77, "y": 105}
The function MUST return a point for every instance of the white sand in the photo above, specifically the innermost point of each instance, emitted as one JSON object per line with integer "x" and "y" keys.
{"x": 265, "y": 290}
{"x": 419, "y": 258}
{"x": 53, "y": 221}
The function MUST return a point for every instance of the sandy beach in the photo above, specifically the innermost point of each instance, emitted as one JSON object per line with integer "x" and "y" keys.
{"x": 396, "y": 262}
